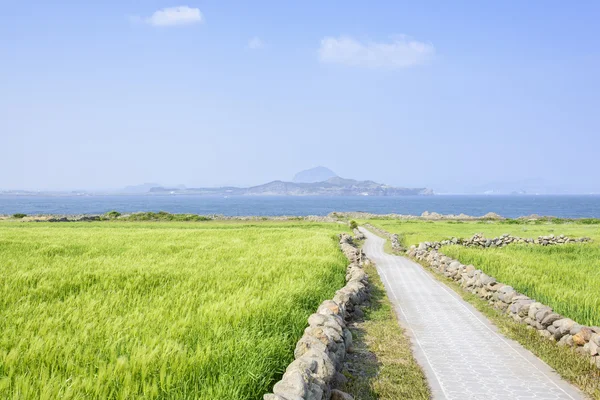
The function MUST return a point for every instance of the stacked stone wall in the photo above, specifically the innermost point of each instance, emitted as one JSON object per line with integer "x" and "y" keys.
{"x": 393, "y": 237}
{"x": 315, "y": 372}
{"x": 478, "y": 240}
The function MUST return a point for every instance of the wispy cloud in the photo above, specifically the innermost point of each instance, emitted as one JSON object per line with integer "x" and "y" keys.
{"x": 174, "y": 16}
{"x": 255, "y": 43}
{"x": 401, "y": 52}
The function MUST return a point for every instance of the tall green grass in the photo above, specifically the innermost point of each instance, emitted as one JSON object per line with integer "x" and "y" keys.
{"x": 117, "y": 310}
{"x": 567, "y": 278}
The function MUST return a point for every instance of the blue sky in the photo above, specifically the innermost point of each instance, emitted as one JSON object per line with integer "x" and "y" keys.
{"x": 447, "y": 95}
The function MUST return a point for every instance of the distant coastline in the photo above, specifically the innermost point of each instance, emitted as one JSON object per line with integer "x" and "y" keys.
{"x": 562, "y": 206}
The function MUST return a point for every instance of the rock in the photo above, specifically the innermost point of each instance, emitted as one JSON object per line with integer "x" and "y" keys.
{"x": 533, "y": 309}
{"x": 521, "y": 307}
{"x": 325, "y": 369}
{"x": 329, "y": 320}
{"x": 487, "y": 280}
{"x": 558, "y": 333}
{"x": 518, "y": 297}
{"x": 329, "y": 307}
{"x": 550, "y": 318}
{"x": 575, "y": 329}
{"x": 325, "y": 334}
{"x": 470, "y": 270}
{"x": 293, "y": 384}
{"x": 506, "y": 293}
{"x": 563, "y": 326}
{"x": 584, "y": 336}
{"x": 308, "y": 342}
{"x": 542, "y": 313}
{"x": 454, "y": 265}
{"x": 593, "y": 348}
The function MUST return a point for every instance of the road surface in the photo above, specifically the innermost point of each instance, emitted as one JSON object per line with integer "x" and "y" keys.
{"x": 461, "y": 352}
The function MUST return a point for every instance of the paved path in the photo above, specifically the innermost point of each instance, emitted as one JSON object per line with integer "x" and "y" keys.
{"x": 462, "y": 354}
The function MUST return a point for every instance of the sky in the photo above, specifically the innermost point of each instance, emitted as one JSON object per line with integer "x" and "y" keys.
{"x": 446, "y": 95}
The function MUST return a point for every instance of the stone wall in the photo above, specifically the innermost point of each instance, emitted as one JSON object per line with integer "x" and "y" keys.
{"x": 426, "y": 216}
{"x": 478, "y": 240}
{"x": 320, "y": 353}
{"x": 564, "y": 331}
{"x": 393, "y": 237}
{"x": 358, "y": 235}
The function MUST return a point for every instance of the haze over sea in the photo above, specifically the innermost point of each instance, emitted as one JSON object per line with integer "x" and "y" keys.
{"x": 575, "y": 206}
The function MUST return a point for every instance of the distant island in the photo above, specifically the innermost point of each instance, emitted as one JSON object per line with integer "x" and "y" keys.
{"x": 331, "y": 187}
{"x": 319, "y": 181}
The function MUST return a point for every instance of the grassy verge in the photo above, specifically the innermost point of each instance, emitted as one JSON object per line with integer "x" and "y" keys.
{"x": 151, "y": 310}
{"x": 570, "y": 365}
{"x": 382, "y": 365}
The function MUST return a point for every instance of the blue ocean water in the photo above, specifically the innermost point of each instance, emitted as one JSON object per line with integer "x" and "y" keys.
{"x": 507, "y": 206}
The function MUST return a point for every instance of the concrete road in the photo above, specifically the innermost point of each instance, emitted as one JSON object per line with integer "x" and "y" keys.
{"x": 461, "y": 352}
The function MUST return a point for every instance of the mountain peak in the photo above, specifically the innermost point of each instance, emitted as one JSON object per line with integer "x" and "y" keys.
{"x": 312, "y": 175}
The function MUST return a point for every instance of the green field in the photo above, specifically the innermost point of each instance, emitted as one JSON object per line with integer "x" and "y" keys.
{"x": 157, "y": 310}
{"x": 414, "y": 232}
{"x": 567, "y": 277}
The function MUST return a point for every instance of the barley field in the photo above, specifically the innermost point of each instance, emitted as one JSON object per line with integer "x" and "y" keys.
{"x": 121, "y": 310}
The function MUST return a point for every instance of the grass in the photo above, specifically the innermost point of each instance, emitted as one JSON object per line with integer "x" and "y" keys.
{"x": 383, "y": 366}
{"x": 570, "y": 365}
{"x": 119, "y": 310}
{"x": 567, "y": 277}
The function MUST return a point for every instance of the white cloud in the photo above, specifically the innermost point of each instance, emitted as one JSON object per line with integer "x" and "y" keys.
{"x": 172, "y": 16}
{"x": 255, "y": 43}
{"x": 401, "y": 52}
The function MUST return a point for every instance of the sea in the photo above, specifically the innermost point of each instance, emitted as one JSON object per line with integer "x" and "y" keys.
{"x": 581, "y": 206}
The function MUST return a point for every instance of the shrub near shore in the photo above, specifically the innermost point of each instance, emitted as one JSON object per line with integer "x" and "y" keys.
{"x": 147, "y": 310}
